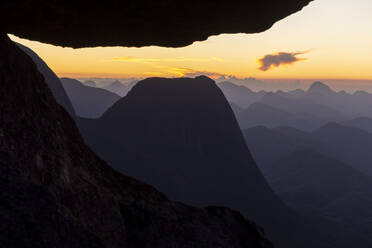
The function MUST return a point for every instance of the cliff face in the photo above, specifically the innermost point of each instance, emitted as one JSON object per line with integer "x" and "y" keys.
{"x": 31, "y": 218}
{"x": 51, "y": 178}
{"x": 139, "y": 23}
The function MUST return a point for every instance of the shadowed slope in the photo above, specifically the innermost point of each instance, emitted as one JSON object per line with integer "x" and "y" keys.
{"x": 51, "y": 79}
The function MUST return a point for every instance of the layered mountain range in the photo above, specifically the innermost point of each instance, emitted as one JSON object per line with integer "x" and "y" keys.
{"x": 323, "y": 173}
{"x": 305, "y": 110}
{"x": 181, "y": 136}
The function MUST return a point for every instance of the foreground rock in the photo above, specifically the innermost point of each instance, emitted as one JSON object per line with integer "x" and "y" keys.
{"x": 139, "y": 23}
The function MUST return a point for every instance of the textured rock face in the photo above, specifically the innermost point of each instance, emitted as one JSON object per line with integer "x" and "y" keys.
{"x": 30, "y": 216}
{"x": 139, "y": 23}
{"x": 84, "y": 203}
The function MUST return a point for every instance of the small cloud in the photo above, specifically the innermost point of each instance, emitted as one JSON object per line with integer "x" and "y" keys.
{"x": 278, "y": 59}
{"x": 169, "y": 71}
{"x": 195, "y": 73}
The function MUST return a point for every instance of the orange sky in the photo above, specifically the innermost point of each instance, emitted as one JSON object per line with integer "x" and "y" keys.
{"x": 335, "y": 33}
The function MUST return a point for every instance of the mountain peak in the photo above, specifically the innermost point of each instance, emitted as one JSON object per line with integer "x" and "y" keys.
{"x": 176, "y": 95}
{"x": 319, "y": 87}
{"x": 175, "y": 86}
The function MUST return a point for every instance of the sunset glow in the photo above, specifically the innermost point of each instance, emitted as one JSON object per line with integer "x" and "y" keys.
{"x": 336, "y": 34}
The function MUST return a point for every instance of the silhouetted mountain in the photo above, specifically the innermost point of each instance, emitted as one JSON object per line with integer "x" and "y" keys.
{"x": 118, "y": 88}
{"x": 240, "y": 95}
{"x": 350, "y": 145}
{"x": 55, "y": 192}
{"x": 352, "y": 105}
{"x": 363, "y": 123}
{"x": 269, "y": 145}
{"x": 89, "y": 102}
{"x": 314, "y": 107}
{"x": 180, "y": 135}
{"x": 51, "y": 79}
{"x": 297, "y": 93}
{"x": 303, "y": 105}
{"x": 269, "y": 116}
{"x": 90, "y": 83}
{"x": 299, "y": 175}
{"x": 317, "y": 185}
{"x": 306, "y": 110}
{"x": 319, "y": 88}
{"x": 347, "y": 144}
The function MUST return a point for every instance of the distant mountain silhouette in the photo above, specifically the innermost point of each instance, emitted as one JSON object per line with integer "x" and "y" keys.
{"x": 292, "y": 162}
{"x": 351, "y": 105}
{"x": 89, "y": 102}
{"x": 316, "y": 106}
{"x": 303, "y": 105}
{"x": 118, "y": 88}
{"x": 269, "y": 116}
{"x": 51, "y": 79}
{"x": 240, "y": 95}
{"x": 363, "y": 123}
{"x": 317, "y": 185}
{"x": 350, "y": 145}
{"x": 347, "y": 144}
{"x": 180, "y": 135}
{"x": 55, "y": 192}
{"x": 90, "y": 83}
{"x": 269, "y": 145}
{"x": 319, "y": 88}
{"x": 297, "y": 93}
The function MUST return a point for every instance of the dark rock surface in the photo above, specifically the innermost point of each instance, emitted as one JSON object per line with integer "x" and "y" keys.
{"x": 31, "y": 218}
{"x": 139, "y": 23}
{"x": 43, "y": 155}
